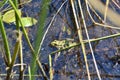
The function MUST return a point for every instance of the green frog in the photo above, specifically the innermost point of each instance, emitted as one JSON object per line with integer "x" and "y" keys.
{"x": 61, "y": 44}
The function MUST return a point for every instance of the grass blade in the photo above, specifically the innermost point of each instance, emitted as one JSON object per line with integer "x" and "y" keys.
{"x": 5, "y": 40}
{"x": 39, "y": 35}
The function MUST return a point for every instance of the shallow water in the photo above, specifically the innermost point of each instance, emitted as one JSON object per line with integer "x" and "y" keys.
{"x": 69, "y": 65}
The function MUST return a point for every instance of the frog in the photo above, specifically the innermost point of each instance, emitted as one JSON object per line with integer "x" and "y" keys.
{"x": 62, "y": 44}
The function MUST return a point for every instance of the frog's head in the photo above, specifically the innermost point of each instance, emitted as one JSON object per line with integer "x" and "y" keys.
{"x": 57, "y": 43}
{"x": 54, "y": 43}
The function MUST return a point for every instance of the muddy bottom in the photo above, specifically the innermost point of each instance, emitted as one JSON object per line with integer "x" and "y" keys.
{"x": 69, "y": 64}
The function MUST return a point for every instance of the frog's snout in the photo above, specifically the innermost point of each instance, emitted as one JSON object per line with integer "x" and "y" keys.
{"x": 52, "y": 43}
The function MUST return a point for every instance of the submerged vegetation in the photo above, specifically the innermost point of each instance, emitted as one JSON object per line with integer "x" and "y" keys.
{"x": 9, "y": 17}
{"x": 77, "y": 39}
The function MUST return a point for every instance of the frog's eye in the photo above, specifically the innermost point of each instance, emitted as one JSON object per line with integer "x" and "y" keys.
{"x": 53, "y": 43}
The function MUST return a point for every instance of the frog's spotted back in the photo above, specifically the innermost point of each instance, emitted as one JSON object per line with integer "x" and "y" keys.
{"x": 61, "y": 44}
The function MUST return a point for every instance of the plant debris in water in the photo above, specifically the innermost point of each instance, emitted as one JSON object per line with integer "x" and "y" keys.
{"x": 9, "y": 17}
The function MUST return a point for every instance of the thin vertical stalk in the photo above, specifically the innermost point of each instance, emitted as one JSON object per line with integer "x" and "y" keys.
{"x": 92, "y": 52}
{"x": 106, "y": 10}
{"x": 24, "y": 31}
{"x": 21, "y": 61}
{"x": 39, "y": 36}
{"x": 16, "y": 49}
{"x": 50, "y": 66}
{"x": 16, "y": 2}
{"x": 80, "y": 39}
{"x": 29, "y": 72}
{"x": 5, "y": 40}
{"x": 26, "y": 36}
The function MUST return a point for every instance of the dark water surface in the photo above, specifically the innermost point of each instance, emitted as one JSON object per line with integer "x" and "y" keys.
{"x": 69, "y": 65}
